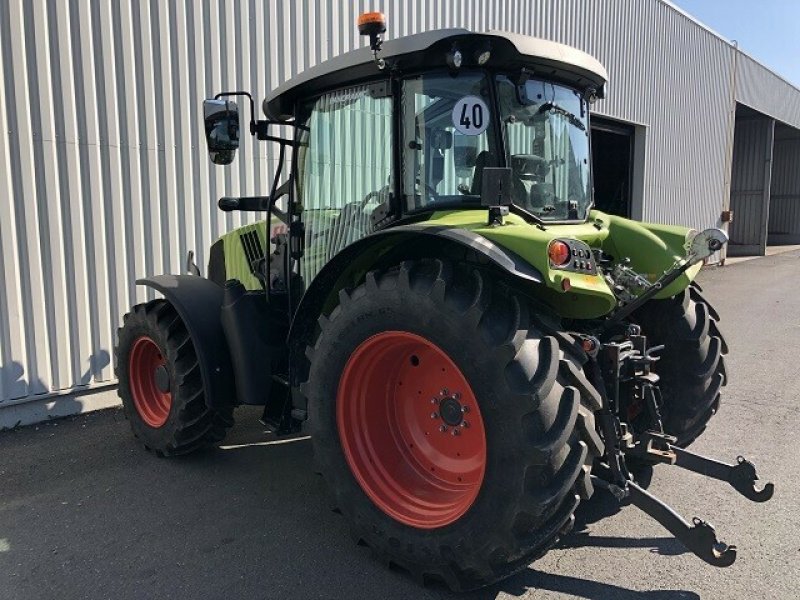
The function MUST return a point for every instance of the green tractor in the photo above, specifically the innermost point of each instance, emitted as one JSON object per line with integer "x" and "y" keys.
{"x": 473, "y": 349}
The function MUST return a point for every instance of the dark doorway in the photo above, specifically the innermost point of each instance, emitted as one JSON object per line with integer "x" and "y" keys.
{"x": 612, "y": 154}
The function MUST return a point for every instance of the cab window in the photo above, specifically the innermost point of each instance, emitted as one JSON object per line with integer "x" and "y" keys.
{"x": 448, "y": 138}
{"x": 343, "y": 169}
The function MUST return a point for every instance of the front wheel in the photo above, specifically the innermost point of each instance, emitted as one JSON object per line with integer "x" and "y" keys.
{"x": 160, "y": 384}
{"x": 455, "y": 434}
{"x": 692, "y": 364}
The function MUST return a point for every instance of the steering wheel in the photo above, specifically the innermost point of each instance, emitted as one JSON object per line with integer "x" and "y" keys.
{"x": 372, "y": 195}
{"x": 431, "y": 191}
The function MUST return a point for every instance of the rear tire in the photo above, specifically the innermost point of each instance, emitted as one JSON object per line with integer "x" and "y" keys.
{"x": 536, "y": 411}
{"x": 692, "y": 365}
{"x": 166, "y": 409}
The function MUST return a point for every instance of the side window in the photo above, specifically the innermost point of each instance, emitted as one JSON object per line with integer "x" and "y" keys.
{"x": 344, "y": 169}
{"x": 447, "y": 139}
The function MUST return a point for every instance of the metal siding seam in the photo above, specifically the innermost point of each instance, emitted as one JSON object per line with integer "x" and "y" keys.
{"x": 168, "y": 198}
{"x": 12, "y": 323}
{"x": 48, "y": 197}
{"x": 37, "y": 359}
{"x": 131, "y": 150}
{"x": 71, "y": 195}
{"x": 146, "y": 113}
{"x": 91, "y": 182}
{"x": 228, "y": 82}
{"x": 110, "y": 165}
{"x": 241, "y": 67}
{"x": 769, "y": 150}
{"x": 212, "y": 52}
{"x": 200, "y": 173}
{"x": 77, "y": 285}
{"x": 257, "y": 72}
{"x": 183, "y": 103}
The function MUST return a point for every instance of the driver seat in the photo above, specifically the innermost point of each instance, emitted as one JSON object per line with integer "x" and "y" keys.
{"x": 486, "y": 159}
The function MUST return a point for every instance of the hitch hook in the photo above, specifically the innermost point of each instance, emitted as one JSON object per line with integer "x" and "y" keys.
{"x": 742, "y": 476}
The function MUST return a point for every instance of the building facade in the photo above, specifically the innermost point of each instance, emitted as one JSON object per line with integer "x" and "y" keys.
{"x": 104, "y": 176}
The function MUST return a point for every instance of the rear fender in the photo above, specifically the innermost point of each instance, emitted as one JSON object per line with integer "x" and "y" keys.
{"x": 198, "y": 302}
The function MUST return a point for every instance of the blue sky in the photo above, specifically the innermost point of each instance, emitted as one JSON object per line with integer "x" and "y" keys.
{"x": 768, "y": 30}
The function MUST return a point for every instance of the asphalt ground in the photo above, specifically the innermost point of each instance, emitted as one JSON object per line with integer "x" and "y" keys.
{"x": 87, "y": 513}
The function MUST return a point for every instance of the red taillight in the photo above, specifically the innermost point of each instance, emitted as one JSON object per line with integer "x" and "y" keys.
{"x": 559, "y": 253}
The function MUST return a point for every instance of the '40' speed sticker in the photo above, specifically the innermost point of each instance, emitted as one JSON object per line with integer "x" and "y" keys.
{"x": 471, "y": 116}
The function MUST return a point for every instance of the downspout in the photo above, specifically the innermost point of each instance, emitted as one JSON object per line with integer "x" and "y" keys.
{"x": 726, "y": 200}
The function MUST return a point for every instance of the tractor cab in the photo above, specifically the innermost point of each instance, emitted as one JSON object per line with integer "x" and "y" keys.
{"x": 445, "y": 106}
{"x": 446, "y": 120}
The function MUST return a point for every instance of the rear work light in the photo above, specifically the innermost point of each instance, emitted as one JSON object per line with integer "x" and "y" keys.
{"x": 559, "y": 253}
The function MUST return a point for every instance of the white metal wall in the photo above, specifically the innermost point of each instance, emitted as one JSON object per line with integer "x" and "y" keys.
{"x": 104, "y": 177}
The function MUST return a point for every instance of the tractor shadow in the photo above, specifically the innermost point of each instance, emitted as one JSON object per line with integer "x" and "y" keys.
{"x": 256, "y": 500}
{"x": 574, "y": 587}
{"x": 603, "y": 505}
{"x": 16, "y": 383}
{"x": 251, "y": 444}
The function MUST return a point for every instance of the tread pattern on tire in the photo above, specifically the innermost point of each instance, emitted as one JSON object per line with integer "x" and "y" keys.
{"x": 692, "y": 366}
{"x": 549, "y": 397}
{"x": 191, "y": 424}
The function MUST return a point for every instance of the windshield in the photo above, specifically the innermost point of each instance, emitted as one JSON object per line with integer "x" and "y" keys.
{"x": 448, "y": 137}
{"x": 545, "y": 127}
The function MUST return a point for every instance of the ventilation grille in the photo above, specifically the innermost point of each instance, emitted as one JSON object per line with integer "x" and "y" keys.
{"x": 253, "y": 250}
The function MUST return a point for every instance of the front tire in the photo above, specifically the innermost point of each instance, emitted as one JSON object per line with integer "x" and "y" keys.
{"x": 471, "y": 508}
{"x": 160, "y": 384}
{"x": 692, "y": 364}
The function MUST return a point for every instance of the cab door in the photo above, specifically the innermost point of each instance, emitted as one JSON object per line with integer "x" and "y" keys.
{"x": 344, "y": 169}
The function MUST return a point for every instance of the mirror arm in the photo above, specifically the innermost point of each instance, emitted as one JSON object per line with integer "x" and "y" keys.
{"x": 252, "y": 106}
{"x": 263, "y": 137}
{"x": 259, "y": 128}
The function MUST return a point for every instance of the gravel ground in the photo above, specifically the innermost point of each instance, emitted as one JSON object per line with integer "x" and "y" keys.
{"x": 86, "y": 513}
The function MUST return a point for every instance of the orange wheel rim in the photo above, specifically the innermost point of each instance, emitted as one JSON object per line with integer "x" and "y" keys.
{"x": 149, "y": 382}
{"x": 411, "y": 429}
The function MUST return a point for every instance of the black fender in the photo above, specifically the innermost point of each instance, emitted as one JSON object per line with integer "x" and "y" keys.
{"x": 198, "y": 301}
{"x": 399, "y": 243}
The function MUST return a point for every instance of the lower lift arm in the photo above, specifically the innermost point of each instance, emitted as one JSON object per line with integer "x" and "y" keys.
{"x": 699, "y": 536}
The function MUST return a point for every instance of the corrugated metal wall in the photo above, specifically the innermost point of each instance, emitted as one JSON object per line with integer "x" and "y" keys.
{"x": 784, "y": 208}
{"x": 766, "y": 92}
{"x": 104, "y": 177}
{"x": 750, "y": 184}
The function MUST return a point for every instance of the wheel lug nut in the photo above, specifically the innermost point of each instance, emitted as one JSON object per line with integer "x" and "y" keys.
{"x": 444, "y": 392}
{"x": 434, "y": 415}
{"x": 457, "y": 396}
{"x": 456, "y": 432}
{"x": 443, "y": 428}
{"x": 434, "y": 401}
{"x": 464, "y": 408}
{"x": 465, "y": 424}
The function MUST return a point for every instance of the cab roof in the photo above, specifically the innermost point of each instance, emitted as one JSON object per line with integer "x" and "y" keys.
{"x": 428, "y": 50}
